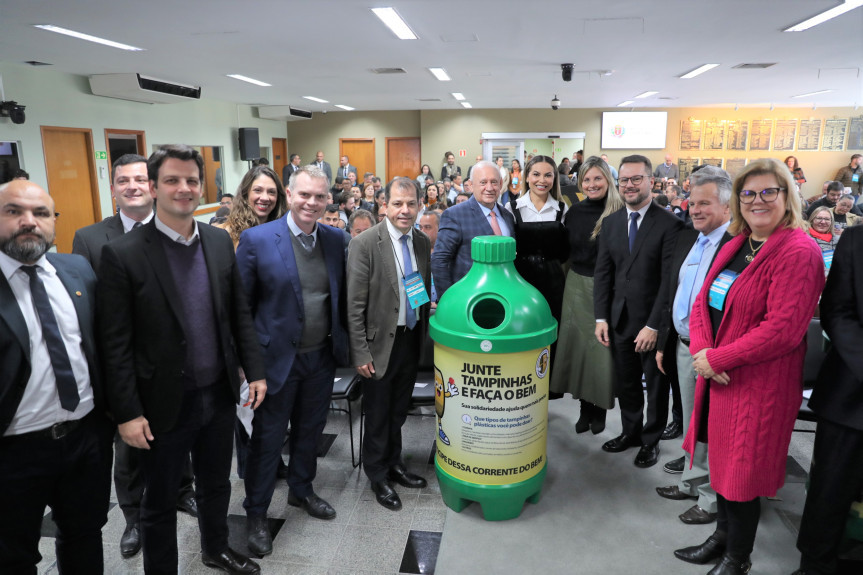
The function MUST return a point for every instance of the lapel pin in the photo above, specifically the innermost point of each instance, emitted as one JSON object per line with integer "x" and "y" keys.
{"x": 77, "y": 293}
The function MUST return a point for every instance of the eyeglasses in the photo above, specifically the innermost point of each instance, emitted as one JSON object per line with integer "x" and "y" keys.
{"x": 767, "y": 195}
{"x": 634, "y": 180}
{"x": 820, "y": 219}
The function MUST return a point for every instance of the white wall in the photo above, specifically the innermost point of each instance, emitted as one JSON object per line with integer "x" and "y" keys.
{"x": 57, "y": 99}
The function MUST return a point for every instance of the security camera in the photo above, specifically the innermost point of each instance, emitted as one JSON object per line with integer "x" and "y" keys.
{"x": 12, "y": 111}
{"x": 555, "y": 103}
{"x": 566, "y": 72}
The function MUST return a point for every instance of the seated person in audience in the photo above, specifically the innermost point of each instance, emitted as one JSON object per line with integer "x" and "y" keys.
{"x": 346, "y": 206}
{"x": 331, "y": 216}
{"x": 842, "y": 216}
{"x": 462, "y": 198}
{"x": 358, "y": 195}
{"x": 448, "y": 191}
{"x": 836, "y": 476}
{"x": 380, "y": 198}
{"x": 376, "y": 182}
{"x": 21, "y": 175}
{"x": 360, "y": 221}
{"x": 832, "y": 195}
{"x": 457, "y": 184}
{"x": 821, "y": 229}
{"x": 226, "y": 201}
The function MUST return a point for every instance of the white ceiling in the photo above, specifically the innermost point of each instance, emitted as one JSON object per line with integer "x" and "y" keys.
{"x": 500, "y": 54}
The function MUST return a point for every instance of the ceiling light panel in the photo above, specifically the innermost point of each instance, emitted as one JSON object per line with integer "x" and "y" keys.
{"x": 87, "y": 37}
{"x": 698, "y": 71}
{"x": 395, "y": 23}
{"x": 647, "y": 94}
{"x": 440, "y": 74}
{"x": 249, "y": 80}
{"x": 847, "y": 6}
{"x": 313, "y": 99}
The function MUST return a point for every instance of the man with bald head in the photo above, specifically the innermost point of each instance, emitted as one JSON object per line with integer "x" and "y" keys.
{"x": 667, "y": 171}
{"x": 55, "y": 440}
{"x": 481, "y": 215}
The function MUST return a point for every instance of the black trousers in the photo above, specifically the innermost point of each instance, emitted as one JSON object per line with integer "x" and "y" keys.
{"x": 129, "y": 484}
{"x": 386, "y": 402}
{"x": 630, "y": 366}
{"x": 303, "y": 401}
{"x": 72, "y": 475}
{"x": 835, "y": 482}
{"x": 205, "y": 427}
{"x": 739, "y": 521}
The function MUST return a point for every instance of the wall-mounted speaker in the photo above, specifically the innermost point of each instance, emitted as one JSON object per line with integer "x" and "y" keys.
{"x": 250, "y": 148}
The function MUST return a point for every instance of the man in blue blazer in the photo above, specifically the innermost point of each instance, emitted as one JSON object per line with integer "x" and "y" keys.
{"x": 460, "y": 224}
{"x": 293, "y": 273}
{"x": 55, "y": 438}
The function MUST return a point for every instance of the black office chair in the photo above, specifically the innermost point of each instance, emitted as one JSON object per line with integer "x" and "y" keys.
{"x": 816, "y": 346}
{"x": 348, "y": 388}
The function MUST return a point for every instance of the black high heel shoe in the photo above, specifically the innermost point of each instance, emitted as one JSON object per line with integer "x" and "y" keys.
{"x": 583, "y": 423}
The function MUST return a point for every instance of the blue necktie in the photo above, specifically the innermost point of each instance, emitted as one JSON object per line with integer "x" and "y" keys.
{"x": 633, "y": 229}
{"x": 67, "y": 387}
{"x": 410, "y": 314}
{"x": 681, "y": 303}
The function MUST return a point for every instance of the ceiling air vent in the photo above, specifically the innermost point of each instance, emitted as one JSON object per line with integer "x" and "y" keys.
{"x": 139, "y": 88}
{"x": 37, "y": 63}
{"x": 428, "y": 99}
{"x": 754, "y": 66}
{"x": 388, "y": 71}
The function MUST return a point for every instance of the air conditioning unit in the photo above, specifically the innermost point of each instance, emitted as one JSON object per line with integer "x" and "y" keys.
{"x": 140, "y": 88}
{"x": 284, "y": 113}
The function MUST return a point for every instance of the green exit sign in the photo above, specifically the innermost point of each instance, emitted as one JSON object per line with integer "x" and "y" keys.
{"x": 101, "y": 155}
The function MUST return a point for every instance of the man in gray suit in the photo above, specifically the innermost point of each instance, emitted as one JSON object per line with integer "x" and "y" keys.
{"x": 130, "y": 188}
{"x": 321, "y": 164}
{"x": 389, "y": 275}
{"x": 345, "y": 169}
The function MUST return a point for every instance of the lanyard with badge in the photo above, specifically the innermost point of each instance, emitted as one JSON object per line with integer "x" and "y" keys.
{"x": 719, "y": 289}
{"x": 415, "y": 287}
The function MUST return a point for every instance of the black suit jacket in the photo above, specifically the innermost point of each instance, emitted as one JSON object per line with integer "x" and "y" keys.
{"x": 90, "y": 240}
{"x": 838, "y": 393}
{"x": 685, "y": 240}
{"x": 79, "y": 280}
{"x": 141, "y": 324}
{"x": 287, "y": 171}
{"x": 630, "y": 290}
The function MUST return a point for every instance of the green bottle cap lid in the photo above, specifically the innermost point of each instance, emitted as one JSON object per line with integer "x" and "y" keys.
{"x": 492, "y": 249}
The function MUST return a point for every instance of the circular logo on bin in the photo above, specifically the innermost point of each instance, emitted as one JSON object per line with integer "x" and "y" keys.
{"x": 542, "y": 363}
{"x": 485, "y": 345}
{"x": 466, "y": 418}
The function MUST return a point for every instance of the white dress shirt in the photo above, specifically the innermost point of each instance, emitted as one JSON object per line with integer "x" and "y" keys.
{"x": 40, "y": 405}
{"x": 396, "y": 235}
{"x": 129, "y": 223}
{"x": 529, "y": 213}
{"x": 175, "y": 236}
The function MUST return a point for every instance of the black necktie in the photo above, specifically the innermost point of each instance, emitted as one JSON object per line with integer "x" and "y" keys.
{"x": 66, "y": 385}
{"x": 137, "y": 225}
{"x": 633, "y": 229}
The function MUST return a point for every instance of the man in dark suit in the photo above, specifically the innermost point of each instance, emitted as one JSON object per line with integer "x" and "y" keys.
{"x": 388, "y": 311}
{"x": 693, "y": 254}
{"x": 55, "y": 438}
{"x": 130, "y": 188}
{"x": 177, "y": 329}
{"x": 345, "y": 169}
{"x": 460, "y": 224}
{"x": 632, "y": 270}
{"x": 836, "y": 478}
{"x": 293, "y": 166}
{"x": 293, "y": 272}
{"x": 323, "y": 166}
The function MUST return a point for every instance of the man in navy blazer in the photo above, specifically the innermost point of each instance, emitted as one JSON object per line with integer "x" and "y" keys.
{"x": 55, "y": 438}
{"x": 293, "y": 273}
{"x": 460, "y": 224}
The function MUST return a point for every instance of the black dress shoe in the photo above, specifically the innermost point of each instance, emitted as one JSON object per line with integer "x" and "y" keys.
{"x": 673, "y": 431}
{"x": 731, "y": 566}
{"x": 673, "y": 492}
{"x": 405, "y": 478}
{"x": 647, "y": 456}
{"x": 695, "y": 515}
{"x": 584, "y": 417}
{"x": 710, "y": 550}
{"x": 597, "y": 421}
{"x": 231, "y": 562}
{"x": 386, "y": 495}
{"x": 314, "y": 506}
{"x": 281, "y": 470}
{"x": 188, "y": 505}
{"x": 130, "y": 542}
{"x": 674, "y": 466}
{"x": 618, "y": 444}
{"x": 259, "y": 539}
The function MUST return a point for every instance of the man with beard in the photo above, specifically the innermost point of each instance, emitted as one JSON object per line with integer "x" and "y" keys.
{"x": 55, "y": 440}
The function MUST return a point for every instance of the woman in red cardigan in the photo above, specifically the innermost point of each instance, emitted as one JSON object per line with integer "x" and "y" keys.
{"x": 747, "y": 334}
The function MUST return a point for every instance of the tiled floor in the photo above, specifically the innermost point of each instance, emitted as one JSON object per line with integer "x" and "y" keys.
{"x": 363, "y": 539}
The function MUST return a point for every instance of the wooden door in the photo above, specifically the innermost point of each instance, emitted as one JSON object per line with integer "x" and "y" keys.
{"x": 403, "y": 158}
{"x": 360, "y": 152}
{"x": 280, "y": 155}
{"x": 71, "y": 167}
{"x": 119, "y": 143}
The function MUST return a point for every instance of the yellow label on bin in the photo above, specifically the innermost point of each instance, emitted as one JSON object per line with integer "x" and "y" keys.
{"x": 492, "y": 413}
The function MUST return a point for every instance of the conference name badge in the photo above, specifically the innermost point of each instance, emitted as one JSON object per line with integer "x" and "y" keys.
{"x": 828, "y": 259}
{"x": 415, "y": 290}
{"x": 719, "y": 289}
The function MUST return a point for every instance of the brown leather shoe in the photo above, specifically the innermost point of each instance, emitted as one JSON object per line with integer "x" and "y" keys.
{"x": 673, "y": 492}
{"x": 695, "y": 515}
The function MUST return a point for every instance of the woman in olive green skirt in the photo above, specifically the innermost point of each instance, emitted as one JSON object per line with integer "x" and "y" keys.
{"x": 582, "y": 366}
